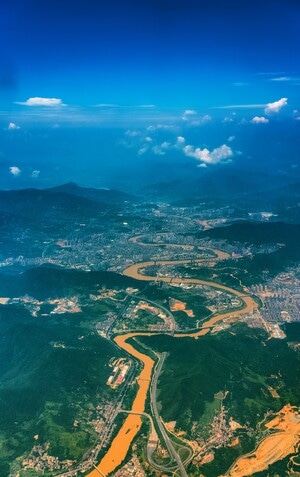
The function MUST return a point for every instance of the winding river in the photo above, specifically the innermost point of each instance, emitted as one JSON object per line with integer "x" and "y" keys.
{"x": 132, "y": 424}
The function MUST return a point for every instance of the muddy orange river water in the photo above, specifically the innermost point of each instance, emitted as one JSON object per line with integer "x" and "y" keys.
{"x": 121, "y": 443}
{"x": 132, "y": 424}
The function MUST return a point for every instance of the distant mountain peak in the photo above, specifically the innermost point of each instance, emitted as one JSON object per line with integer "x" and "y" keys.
{"x": 102, "y": 194}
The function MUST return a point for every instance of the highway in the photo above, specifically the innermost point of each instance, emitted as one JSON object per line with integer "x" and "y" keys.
{"x": 153, "y": 438}
{"x": 153, "y": 403}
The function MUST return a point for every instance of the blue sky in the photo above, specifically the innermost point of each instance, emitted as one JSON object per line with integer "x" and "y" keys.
{"x": 173, "y": 54}
{"x": 159, "y": 69}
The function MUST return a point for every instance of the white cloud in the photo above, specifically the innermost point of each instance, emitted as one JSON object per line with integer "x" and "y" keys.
{"x": 14, "y": 170}
{"x": 276, "y": 106}
{"x": 12, "y": 126}
{"x": 202, "y": 120}
{"x": 191, "y": 116}
{"x": 296, "y": 114}
{"x": 281, "y": 78}
{"x": 35, "y": 174}
{"x": 167, "y": 127}
{"x": 231, "y": 138}
{"x": 180, "y": 140}
{"x": 107, "y": 105}
{"x": 241, "y": 106}
{"x": 165, "y": 145}
{"x": 205, "y": 156}
{"x": 146, "y": 106}
{"x": 132, "y": 133}
{"x": 160, "y": 150}
{"x": 37, "y": 101}
{"x": 227, "y": 119}
{"x": 259, "y": 120}
{"x": 142, "y": 150}
{"x": 188, "y": 113}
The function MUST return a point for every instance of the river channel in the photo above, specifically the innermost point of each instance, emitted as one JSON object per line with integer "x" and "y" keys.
{"x": 132, "y": 424}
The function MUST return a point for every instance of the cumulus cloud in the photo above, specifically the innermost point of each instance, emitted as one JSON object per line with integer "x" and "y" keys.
{"x": 12, "y": 126}
{"x": 165, "y": 145}
{"x": 259, "y": 120}
{"x": 180, "y": 140}
{"x": 193, "y": 119}
{"x": 231, "y": 138}
{"x": 202, "y": 120}
{"x": 15, "y": 171}
{"x": 205, "y": 156}
{"x": 142, "y": 150}
{"x": 227, "y": 119}
{"x": 276, "y": 106}
{"x": 167, "y": 127}
{"x": 188, "y": 113}
{"x": 160, "y": 150}
{"x": 296, "y": 114}
{"x": 35, "y": 174}
{"x": 37, "y": 101}
{"x": 132, "y": 133}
